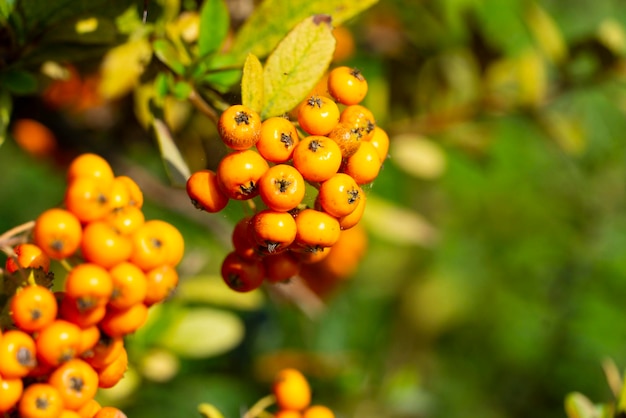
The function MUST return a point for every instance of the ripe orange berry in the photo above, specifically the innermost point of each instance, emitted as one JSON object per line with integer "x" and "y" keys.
{"x": 10, "y": 392}
{"x": 242, "y": 239}
{"x": 120, "y": 322}
{"x": 76, "y": 381}
{"x": 360, "y": 118}
{"x": 279, "y": 137}
{"x": 58, "y": 342}
{"x": 68, "y": 413}
{"x": 318, "y": 115}
{"x": 18, "y": 354}
{"x": 109, "y": 412}
{"x": 273, "y": 231}
{"x": 89, "y": 285}
{"x": 318, "y": 411}
{"x": 281, "y": 267}
{"x": 347, "y": 85}
{"x": 134, "y": 191}
{"x": 352, "y": 219}
{"x": 239, "y": 127}
{"x": 40, "y": 400}
{"x": 380, "y": 141}
{"x": 129, "y": 285}
{"x": 239, "y": 172}
{"x": 345, "y": 45}
{"x": 58, "y": 233}
{"x": 90, "y": 165}
{"x": 89, "y": 337}
{"x": 33, "y": 307}
{"x": 74, "y": 311}
{"x": 155, "y": 243}
{"x": 316, "y": 229}
{"x": 125, "y": 220}
{"x": 90, "y": 409}
{"x": 292, "y": 390}
{"x": 347, "y": 137}
{"x": 339, "y": 195}
{"x": 88, "y": 198}
{"x": 204, "y": 191}
{"x": 282, "y": 187}
{"x": 161, "y": 282}
{"x": 240, "y": 274}
{"x": 27, "y": 256}
{"x": 364, "y": 165}
{"x": 34, "y": 137}
{"x": 104, "y": 245}
{"x": 104, "y": 352}
{"x": 317, "y": 158}
{"x": 119, "y": 194}
{"x": 112, "y": 373}
{"x": 285, "y": 413}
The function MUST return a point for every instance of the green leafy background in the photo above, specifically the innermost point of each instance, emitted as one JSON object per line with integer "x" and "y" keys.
{"x": 495, "y": 278}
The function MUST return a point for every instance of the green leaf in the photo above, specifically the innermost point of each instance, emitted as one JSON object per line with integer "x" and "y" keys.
{"x": 203, "y": 332}
{"x": 252, "y": 83}
{"x": 578, "y": 405}
{"x": 211, "y": 290}
{"x": 214, "y": 24}
{"x": 6, "y": 106}
{"x": 181, "y": 90}
{"x": 175, "y": 165}
{"x": 19, "y": 81}
{"x": 6, "y": 7}
{"x": 167, "y": 54}
{"x": 273, "y": 19}
{"x": 296, "y": 64}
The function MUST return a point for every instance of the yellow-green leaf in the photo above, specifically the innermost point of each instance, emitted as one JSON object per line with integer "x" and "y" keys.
{"x": 209, "y": 411}
{"x": 578, "y": 405}
{"x": 175, "y": 165}
{"x": 122, "y": 66}
{"x": 214, "y": 23}
{"x": 252, "y": 83}
{"x": 167, "y": 54}
{"x": 296, "y": 64}
{"x": 273, "y": 19}
{"x": 203, "y": 332}
{"x": 211, "y": 290}
{"x": 6, "y": 107}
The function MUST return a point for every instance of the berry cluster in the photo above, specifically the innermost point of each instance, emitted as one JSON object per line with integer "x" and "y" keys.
{"x": 292, "y": 393}
{"x": 60, "y": 347}
{"x": 309, "y": 177}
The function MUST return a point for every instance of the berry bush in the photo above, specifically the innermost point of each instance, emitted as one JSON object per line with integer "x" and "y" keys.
{"x": 311, "y": 209}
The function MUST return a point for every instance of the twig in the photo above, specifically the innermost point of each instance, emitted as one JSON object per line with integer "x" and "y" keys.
{"x": 11, "y": 233}
{"x": 203, "y": 106}
{"x": 260, "y": 406}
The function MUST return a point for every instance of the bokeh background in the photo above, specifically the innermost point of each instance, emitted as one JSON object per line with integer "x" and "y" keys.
{"x": 494, "y": 279}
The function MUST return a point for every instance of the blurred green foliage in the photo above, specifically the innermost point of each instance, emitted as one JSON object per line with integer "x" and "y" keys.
{"x": 495, "y": 280}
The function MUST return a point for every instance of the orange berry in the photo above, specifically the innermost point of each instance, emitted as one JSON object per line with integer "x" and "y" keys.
{"x": 318, "y": 411}
{"x": 240, "y": 274}
{"x": 27, "y": 256}
{"x": 34, "y": 137}
{"x": 125, "y": 220}
{"x": 364, "y": 165}
{"x": 33, "y": 307}
{"x": 318, "y": 115}
{"x": 239, "y": 172}
{"x": 110, "y": 412}
{"x": 279, "y": 137}
{"x": 161, "y": 282}
{"x": 317, "y": 158}
{"x": 204, "y": 191}
{"x": 76, "y": 381}
{"x": 58, "y": 342}
{"x": 40, "y": 400}
{"x": 380, "y": 141}
{"x": 105, "y": 351}
{"x": 120, "y": 322}
{"x": 281, "y": 267}
{"x": 18, "y": 354}
{"x": 90, "y": 285}
{"x": 10, "y": 392}
{"x": 291, "y": 389}
{"x": 112, "y": 373}
{"x": 129, "y": 285}
{"x": 239, "y": 127}
{"x": 155, "y": 243}
{"x": 282, "y": 187}
{"x": 58, "y": 233}
{"x": 104, "y": 245}
{"x": 347, "y": 85}
{"x": 88, "y": 198}
{"x": 339, "y": 195}
{"x": 316, "y": 229}
{"x": 90, "y": 165}
{"x": 273, "y": 231}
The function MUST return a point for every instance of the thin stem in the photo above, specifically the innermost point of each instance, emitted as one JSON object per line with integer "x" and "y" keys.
{"x": 260, "y": 406}
{"x": 16, "y": 231}
{"x": 203, "y": 106}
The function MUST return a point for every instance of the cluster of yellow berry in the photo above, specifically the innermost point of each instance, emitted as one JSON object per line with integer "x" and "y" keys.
{"x": 58, "y": 348}
{"x": 308, "y": 175}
